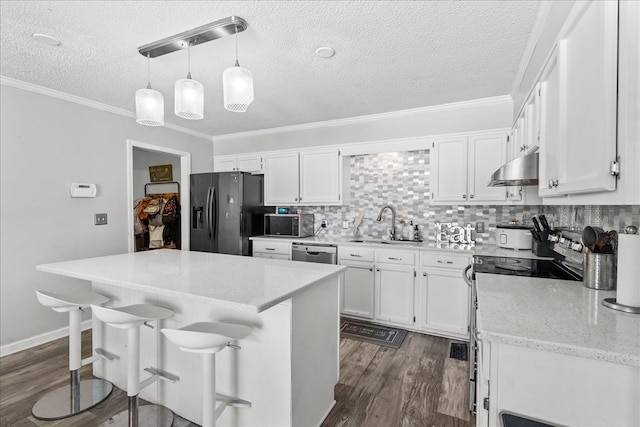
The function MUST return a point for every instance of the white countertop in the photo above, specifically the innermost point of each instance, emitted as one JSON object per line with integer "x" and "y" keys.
{"x": 428, "y": 245}
{"x": 555, "y": 315}
{"x": 246, "y": 283}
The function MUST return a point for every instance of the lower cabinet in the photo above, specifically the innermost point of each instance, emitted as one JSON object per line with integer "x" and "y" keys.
{"x": 272, "y": 249}
{"x": 394, "y": 293}
{"x": 444, "y": 302}
{"x": 358, "y": 289}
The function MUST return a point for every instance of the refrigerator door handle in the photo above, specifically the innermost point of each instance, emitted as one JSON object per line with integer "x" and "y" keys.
{"x": 207, "y": 213}
{"x": 214, "y": 213}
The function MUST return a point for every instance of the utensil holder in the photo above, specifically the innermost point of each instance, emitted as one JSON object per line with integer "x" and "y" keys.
{"x": 545, "y": 247}
{"x": 600, "y": 271}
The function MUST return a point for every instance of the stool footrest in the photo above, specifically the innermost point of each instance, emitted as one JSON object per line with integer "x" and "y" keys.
{"x": 233, "y": 401}
{"x": 158, "y": 374}
{"x": 100, "y": 354}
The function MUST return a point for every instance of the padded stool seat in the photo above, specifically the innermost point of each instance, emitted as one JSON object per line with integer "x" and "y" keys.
{"x": 131, "y": 317}
{"x": 78, "y": 396}
{"x": 209, "y": 338}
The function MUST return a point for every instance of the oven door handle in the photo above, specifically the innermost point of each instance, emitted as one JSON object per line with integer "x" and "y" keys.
{"x": 466, "y": 276}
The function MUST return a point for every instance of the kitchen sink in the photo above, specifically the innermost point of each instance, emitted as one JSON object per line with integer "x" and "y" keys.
{"x": 385, "y": 242}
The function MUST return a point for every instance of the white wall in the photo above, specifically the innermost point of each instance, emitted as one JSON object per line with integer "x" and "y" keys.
{"x": 46, "y": 144}
{"x": 474, "y": 115}
{"x": 142, "y": 159}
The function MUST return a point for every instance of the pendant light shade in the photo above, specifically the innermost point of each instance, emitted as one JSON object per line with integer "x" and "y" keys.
{"x": 189, "y": 103}
{"x": 189, "y": 95}
{"x": 237, "y": 83}
{"x": 149, "y": 103}
{"x": 149, "y": 107}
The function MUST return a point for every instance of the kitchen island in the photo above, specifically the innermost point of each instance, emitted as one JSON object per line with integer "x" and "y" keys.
{"x": 287, "y": 367}
{"x": 549, "y": 350}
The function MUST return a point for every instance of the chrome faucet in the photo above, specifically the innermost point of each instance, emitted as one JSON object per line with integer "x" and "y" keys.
{"x": 392, "y": 233}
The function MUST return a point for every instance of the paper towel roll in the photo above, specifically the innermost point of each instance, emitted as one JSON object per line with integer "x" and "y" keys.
{"x": 629, "y": 270}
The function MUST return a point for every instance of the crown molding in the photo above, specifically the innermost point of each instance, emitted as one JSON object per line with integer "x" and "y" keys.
{"x": 369, "y": 118}
{"x": 532, "y": 42}
{"x": 19, "y": 84}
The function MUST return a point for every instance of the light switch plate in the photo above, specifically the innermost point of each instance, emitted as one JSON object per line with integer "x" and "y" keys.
{"x": 480, "y": 227}
{"x": 345, "y": 224}
{"x": 100, "y": 219}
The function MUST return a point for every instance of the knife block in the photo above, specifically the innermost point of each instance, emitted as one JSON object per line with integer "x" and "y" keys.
{"x": 545, "y": 247}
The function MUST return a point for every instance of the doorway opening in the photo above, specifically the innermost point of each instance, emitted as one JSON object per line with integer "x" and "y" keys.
{"x": 140, "y": 156}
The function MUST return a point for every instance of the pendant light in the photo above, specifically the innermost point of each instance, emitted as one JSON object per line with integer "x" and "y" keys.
{"x": 149, "y": 103}
{"x": 237, "y": 83}
{"x": 189, "y": 95}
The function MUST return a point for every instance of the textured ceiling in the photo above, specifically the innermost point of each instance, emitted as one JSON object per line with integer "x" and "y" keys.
{"x": 390, "y": 55}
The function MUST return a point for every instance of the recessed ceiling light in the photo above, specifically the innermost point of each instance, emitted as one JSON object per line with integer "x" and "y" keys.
{"x": 45, "y": 39}
{"x": 325, "y": 52}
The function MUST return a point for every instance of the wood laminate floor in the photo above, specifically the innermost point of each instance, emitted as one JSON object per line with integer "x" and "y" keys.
{"x": 415, "y": 385}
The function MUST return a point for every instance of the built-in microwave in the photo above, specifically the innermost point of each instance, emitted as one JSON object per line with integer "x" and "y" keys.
{"x": 288, "y": 225}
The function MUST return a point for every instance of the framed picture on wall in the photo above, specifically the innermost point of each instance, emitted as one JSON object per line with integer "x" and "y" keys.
{"x": 161, "y": 173}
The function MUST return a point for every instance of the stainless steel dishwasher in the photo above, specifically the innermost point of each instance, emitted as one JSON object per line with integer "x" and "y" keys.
{"x": 314, "y": 252}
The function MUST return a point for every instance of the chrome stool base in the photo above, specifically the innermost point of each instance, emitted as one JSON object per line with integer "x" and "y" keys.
{"x": 59, "y": 404}
{"x": 148, "y": 416}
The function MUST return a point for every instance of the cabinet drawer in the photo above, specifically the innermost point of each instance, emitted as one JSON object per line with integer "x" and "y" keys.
{"x": 355, "y": 253}
{"x": 445, "y": 260}
{"x": 395, "y": 257}
{"x": 272, "y": 247}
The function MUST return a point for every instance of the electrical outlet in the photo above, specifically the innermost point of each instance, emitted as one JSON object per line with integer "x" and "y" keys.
{"x": 480, "y": 227}
{"x": 100, "y": 219}
{"x": 323, "y": 223}
{"x": 345, "y": 224}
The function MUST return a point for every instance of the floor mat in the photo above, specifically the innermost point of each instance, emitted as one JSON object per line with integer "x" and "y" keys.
{"x": 380, "y": 335}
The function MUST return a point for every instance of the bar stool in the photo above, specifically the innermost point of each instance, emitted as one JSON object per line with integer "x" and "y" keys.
{"x": 209, "y": 338}
{"x": 78, "y": 396}
{"x": 131, "y": 318}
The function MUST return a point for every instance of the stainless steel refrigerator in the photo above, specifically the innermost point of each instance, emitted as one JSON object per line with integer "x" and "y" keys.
{"x": 226, "y": 209}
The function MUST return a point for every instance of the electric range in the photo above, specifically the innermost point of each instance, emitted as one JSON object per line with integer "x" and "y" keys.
{"x": 540, "y": 268}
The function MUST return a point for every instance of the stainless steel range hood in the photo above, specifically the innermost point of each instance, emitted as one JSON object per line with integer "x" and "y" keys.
{"x": 519, "y": 171}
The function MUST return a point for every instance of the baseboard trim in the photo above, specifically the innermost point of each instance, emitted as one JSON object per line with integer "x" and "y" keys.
{"x": 28, "y": 343}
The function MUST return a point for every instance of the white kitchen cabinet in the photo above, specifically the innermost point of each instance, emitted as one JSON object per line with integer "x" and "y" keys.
{"x": 272, "y": 249}
{"x": 443, "y": 295}
{"x": 246, "y": 163}
{"x": 579, "y": 99}
{"x": 358, "y": 289}
{"x": 461, "y": 168}
{"x": 282, "y": 179}
{"x": 394, "y": 293}
{"x": 320, "y": 180}
{"x": 306, "y": 177}
{"x": 358, "y": 286}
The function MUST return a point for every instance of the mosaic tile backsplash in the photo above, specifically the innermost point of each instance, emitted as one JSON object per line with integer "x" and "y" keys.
{"x": 402, "y": 179}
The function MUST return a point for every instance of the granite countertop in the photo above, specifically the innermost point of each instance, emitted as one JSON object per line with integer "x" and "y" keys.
{"x": 557, "y": 316}
{"x": 427, "y": 245}
{"x": 246, "y": 283}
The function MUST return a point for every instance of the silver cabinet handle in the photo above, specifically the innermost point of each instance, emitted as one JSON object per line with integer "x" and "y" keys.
{"x": 464, "y": 196}
{"x": 356, "y": 255}
{"x": 553, "y": 183}
{"x": 295, "y": 199}
{"x": 377, "y": 269}
{"x": 270, "y": 249}
{"x": 424, "y": 274}
{"x": 445, "y": 262}
{"x": 471, "y": 196}
{"x": 394, "y": 258}
{"x": 371, "y": 269}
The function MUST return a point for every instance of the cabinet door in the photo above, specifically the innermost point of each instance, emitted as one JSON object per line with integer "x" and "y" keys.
{"x": 550, "y": 143}
{"x": 444, "y": 302}
{"x": 250, "y": 164}
{"x": 320, "y": 176}
{"x": 394, "y": 294}
{"x": 281, "y": 179}
{"x": 358, "y": 290}
{"x": 224, "y": 164}
{"x": 588, "y": 72}
{"x": 532, "y": 119}
{"x": 486, "y": 154}
{"x": 449, "y": 169}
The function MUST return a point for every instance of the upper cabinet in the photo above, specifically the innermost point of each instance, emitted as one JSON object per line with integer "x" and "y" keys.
{"x": 253, "y": 163}
{"x": 578, "y": 98}
{"x": 306, "y": 177}
{"x": 462, "y": 165}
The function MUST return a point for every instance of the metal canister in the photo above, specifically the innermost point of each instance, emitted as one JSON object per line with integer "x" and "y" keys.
{"x": 600, "y": 271}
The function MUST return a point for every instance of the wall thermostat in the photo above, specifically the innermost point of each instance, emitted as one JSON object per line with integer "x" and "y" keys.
{"x": 82, "y": 190}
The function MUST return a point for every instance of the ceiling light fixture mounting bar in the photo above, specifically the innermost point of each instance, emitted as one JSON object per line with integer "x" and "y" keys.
{"x": 196, "y": 36}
